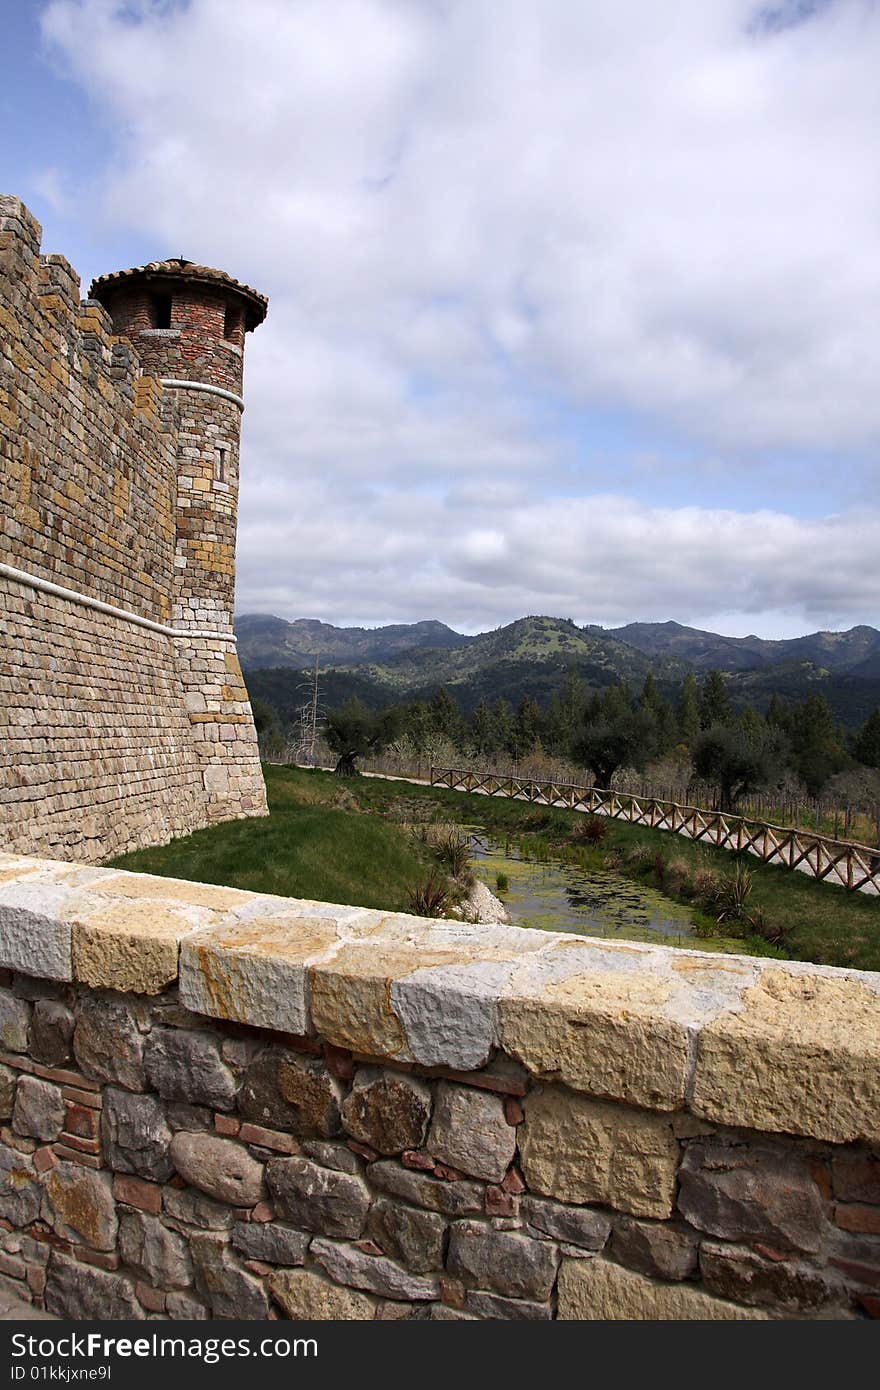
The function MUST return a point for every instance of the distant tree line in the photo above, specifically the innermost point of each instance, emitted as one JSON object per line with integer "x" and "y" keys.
{"x": 737, "y": 752}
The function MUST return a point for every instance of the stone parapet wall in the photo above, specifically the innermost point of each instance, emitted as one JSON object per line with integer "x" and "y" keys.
{"x": 221, "y": 1104}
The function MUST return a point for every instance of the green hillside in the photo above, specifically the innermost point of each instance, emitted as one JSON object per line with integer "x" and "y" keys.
{"x": 532, "y": 656}
{"x": 265, "y": 641}
{"x": 856, "y": 652}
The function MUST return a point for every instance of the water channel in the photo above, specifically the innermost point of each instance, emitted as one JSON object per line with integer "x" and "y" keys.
{"x": 554, "y": 896}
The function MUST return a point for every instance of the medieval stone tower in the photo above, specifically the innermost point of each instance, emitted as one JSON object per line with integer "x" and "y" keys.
{"x": 188, "y": 323}
{"x": 125, "y": 717}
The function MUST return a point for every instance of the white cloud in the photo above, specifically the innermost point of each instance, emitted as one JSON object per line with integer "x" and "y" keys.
{"x": 51, "y": 184}
{"x": 599, "y": 559}
{"x": 472, "y": 219}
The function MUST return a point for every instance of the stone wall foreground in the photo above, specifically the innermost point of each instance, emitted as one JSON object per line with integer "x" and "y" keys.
{"x": 218, "y": 1104}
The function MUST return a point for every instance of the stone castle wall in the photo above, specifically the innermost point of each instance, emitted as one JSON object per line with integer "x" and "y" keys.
{"x": 223, "y": 1105}
{"x": 119, "y": 728}
{"x": 88, "y": 464}
{"x": 97, "y": 750}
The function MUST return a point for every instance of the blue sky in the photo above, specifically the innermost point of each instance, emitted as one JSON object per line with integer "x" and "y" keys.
{"x": 573, "y": 308}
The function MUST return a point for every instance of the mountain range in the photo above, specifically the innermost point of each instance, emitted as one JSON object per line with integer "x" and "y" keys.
{"x": 531, "y": 656}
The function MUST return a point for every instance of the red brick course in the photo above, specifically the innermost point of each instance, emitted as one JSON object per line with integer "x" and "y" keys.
{"x": 858, "y": 1217}
{"x": 857, "y": 1177}
{"x": 82, "y": 1120}
{"x": 137, "y": 1192}
{"x": 268, "y": 1139}
{"x": 88, "y": 1160}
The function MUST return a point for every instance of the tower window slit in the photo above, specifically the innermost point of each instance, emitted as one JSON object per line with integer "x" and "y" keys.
{"x": 161, "y": 310}
{"x": 231, "y": 322}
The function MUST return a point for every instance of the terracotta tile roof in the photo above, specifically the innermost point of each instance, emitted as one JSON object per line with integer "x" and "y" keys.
{"x": 179, "y": 269}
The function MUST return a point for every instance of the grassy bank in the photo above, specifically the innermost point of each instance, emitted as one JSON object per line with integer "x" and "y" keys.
{"x": 314, "y": 844}
{"x": 345, "y": 842}
{"x": 808, "y": 920}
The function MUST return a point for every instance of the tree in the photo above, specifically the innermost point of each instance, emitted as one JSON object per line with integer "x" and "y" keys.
{"x": 565, "y": 714}
{"x": 503, "y": 724}
{"x": 736, "y": 760}
{"x": 270, "y": 736}
{"x": 446, "y": 717}
{"x": 417, "y": 722}
{"x": 484, "y": 733}
{"x": 664, "y": 717}
{"x": 616, "y": 701}
{"x": 867, "y": 743}
{"x": 354, "y": 732}
{"x": 527, "y": 726}
{"x": 689, "y": 709}
{"x": 817, "y": 748}
{"x": 751, "y": 722}
{"x": 265, "y": 716}
{"x": 651, "y": 696}
{"x": 714, "y": 701}
{"x": 310, "y": 719}
{"x": 625, "y": 738}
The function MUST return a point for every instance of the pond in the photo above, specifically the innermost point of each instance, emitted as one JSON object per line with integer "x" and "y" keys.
{"x": 554, "y": 896}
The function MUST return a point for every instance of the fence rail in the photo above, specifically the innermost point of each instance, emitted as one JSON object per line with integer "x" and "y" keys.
{"x": 849, "y": 865}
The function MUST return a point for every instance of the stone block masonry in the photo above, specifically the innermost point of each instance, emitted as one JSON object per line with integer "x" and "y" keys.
{"x": 217, "y": 1104}
{"x": 124, "y": 720}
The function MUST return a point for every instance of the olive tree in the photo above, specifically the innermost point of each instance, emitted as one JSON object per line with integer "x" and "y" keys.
{"x": 354, "y": 732}
{"x": 738, "y": 760}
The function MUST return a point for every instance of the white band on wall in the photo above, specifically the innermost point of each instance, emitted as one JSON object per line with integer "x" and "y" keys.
{"x": 203, "y": 386}
{"x": 72, "y": 596}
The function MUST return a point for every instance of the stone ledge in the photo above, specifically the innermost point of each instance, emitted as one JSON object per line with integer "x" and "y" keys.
{"x": 768, "y": 1045}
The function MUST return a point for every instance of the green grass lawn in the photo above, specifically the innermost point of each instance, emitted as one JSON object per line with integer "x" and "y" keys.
{"x": 344, "y": 842}
{"x": 309, "y": 847}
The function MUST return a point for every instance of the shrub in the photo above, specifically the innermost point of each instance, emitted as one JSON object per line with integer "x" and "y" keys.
{"x": 704, "y": 927}
{"x": 640, "y": 859}
{"x": 705, "y": 884}
{"x": 592, "y": 829}
{"x": 678, "y": 878}
{"x": 502, "y": 883}
{"x": 733, "y": 894}
{"x": 422, "y": 833}
{"x": 430, "y": 898}
{"x": 768, "y": 931}
{"x": 454, "y": 851}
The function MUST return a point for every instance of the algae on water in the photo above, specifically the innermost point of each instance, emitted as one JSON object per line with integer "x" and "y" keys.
{"x": 553, "y": 896}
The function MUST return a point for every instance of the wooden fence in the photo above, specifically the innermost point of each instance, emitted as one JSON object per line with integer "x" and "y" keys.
{"x": 852, "y": 866}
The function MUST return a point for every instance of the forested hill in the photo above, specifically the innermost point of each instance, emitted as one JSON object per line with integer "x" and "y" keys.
{"x": 268, "y": 641}
{"x": 856, "y": 652}
{"x": 530, "y": 657}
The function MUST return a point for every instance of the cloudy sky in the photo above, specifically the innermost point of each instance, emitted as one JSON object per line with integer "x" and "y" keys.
{"x": 574, "y": 307}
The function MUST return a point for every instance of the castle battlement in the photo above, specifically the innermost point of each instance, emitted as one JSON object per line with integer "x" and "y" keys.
{"x": 124, "y": 716}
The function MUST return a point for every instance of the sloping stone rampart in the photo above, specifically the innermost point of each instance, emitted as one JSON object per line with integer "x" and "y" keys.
{"x": 254, "y": 1105}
